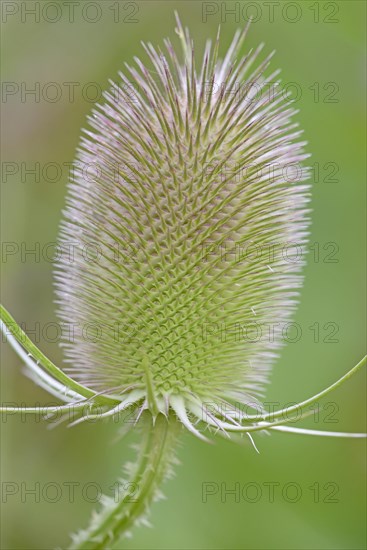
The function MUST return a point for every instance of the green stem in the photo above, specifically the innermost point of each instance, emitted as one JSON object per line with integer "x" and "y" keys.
{"x": 152, "y": 466}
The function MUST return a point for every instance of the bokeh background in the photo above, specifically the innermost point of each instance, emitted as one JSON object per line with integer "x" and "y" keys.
{"x": 325, "y": 45}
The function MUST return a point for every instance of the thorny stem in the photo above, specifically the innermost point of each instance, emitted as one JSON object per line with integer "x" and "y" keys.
{"x": 152, "y": 467}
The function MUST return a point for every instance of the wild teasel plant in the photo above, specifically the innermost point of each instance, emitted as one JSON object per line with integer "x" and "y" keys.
{"x": 182, "y": 178}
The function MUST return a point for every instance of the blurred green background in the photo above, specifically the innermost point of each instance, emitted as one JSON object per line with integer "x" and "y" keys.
{"x": 326, "y": 45}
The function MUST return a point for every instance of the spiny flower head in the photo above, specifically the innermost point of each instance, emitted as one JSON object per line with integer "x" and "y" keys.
{"x": 189, "y": 171}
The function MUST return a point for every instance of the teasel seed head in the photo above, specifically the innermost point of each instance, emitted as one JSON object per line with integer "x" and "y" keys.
{"x": 189, "y": 170}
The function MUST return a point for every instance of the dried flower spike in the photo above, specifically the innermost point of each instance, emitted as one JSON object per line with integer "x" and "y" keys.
{"x": 188, "y": 173}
